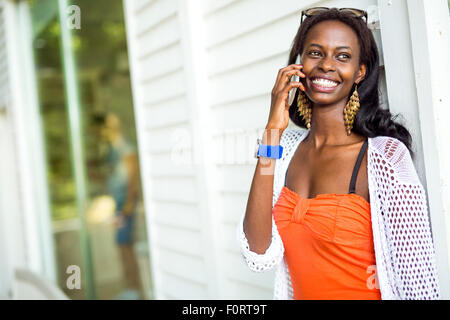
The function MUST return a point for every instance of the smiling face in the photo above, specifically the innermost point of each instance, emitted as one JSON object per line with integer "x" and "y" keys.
{"x": 330, "y": 61}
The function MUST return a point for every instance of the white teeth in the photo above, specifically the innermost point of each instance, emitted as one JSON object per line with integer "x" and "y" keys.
{"x": 324, "y": 83}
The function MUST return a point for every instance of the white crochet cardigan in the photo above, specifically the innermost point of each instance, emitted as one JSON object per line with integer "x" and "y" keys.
{"x": 404, "y": 250}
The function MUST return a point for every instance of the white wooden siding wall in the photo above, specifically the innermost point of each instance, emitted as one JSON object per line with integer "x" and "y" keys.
{"x": 176, "y": 232}
{"x": 245, "y": 43}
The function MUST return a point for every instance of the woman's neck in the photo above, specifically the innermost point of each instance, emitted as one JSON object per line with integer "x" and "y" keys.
{"x": 328, "y": 128}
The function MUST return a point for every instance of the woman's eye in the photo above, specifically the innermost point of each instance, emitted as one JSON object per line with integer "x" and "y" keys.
{"x": 314, "y": 52}
{"x": 344, "y": 55}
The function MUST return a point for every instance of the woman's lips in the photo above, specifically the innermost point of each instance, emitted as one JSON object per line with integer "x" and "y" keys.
{"x": 317, "y": 87}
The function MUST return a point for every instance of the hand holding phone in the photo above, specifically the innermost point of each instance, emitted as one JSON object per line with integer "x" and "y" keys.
{"x": 282, "y": 92}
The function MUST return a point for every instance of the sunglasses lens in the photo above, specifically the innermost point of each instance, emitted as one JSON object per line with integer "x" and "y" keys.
{"x": 314, "y": 11}
{"x": 355, "y": 12}
{"x": 317, "y": 10}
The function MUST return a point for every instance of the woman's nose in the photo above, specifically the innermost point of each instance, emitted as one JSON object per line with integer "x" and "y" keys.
{"x": 327, "y": 64}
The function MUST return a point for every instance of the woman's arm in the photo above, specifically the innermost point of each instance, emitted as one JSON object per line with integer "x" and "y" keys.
{"x": 258, "y": 237}
{"x": 260, "y": 243}
{"x": 258, "y": 214}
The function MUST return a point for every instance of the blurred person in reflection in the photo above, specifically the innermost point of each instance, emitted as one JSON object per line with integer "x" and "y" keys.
{"x": 122, "y": 183}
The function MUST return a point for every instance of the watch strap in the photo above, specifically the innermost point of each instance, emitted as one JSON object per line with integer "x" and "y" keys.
{"x": 268, "y": 151}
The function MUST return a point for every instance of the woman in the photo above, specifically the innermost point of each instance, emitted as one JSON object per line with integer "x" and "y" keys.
{"x": 332, "y": 229}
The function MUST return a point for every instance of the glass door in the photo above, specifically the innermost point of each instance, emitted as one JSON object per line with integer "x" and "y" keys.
{"x": 85, "y": 105}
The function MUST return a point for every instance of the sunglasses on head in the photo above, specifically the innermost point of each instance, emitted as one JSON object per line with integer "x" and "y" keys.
{"x": 318, "y": 10}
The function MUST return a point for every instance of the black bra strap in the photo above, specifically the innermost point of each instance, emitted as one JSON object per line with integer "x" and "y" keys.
{"x": 286, "y": 175}
{"x": 357, "y": 165}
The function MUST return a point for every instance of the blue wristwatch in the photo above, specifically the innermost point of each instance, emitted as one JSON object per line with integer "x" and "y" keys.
{"x": 264, "y": 150}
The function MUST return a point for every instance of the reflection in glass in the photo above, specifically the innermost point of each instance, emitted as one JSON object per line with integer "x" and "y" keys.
{"x": 113, "y": 256}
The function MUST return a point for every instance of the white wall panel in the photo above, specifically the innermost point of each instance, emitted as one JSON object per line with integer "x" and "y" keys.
{"x": 180, "y": 239}
{"x": 154, "y": 13}
{"x": 177, "y": 215}
{"x": 162, "y": 61}
{"x": 176, "y": 287}
{"x": 156, "y": 115}
{"x": 160, "y": 36}
{"x": 162, "y": 138}
{"x": 166, "y": 86}
{"x": 163, "y": 117}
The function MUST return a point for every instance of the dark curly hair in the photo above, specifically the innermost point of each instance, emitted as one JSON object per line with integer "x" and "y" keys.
{"x": 371, "y": 119}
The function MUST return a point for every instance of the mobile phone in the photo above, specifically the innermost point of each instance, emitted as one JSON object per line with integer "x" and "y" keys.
{"x": 294, "y": 78}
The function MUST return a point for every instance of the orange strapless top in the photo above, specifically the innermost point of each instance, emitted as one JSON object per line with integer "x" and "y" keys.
{"x": 328, "y": 245}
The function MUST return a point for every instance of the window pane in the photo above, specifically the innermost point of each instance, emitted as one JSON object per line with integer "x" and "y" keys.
{"x": 89, "y": 201}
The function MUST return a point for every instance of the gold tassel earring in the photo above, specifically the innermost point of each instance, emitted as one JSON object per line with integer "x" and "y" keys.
{"x": 304, "y": 108}
{"x": 350, "y": 111}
